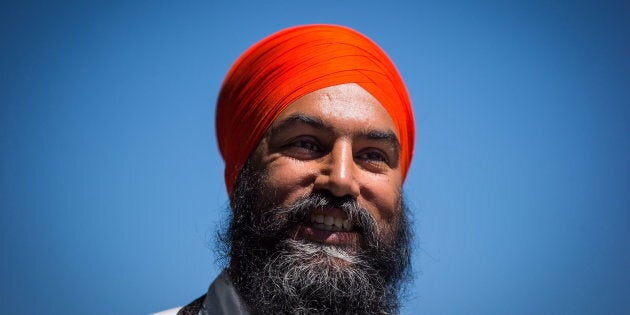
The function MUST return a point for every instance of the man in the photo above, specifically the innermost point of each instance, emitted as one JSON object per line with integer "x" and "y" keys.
{"x": 316, "y": 129}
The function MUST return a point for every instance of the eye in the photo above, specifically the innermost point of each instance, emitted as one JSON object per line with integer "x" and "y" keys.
{"x": 306, "y": 144}
{"x": 303, "y": 148}
{"x": 373, "y": 156}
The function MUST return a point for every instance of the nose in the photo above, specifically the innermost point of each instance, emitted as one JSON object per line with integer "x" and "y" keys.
{"x": 338, "y": 171}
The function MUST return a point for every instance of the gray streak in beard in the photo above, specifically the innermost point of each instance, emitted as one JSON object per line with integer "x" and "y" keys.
{"x": 308, "y": 271}
{"x": 309, "y": 251}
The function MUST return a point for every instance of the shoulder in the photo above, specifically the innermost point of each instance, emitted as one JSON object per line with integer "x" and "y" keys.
{"x": 191, "y": 309}
{"x": 172, "y": 311}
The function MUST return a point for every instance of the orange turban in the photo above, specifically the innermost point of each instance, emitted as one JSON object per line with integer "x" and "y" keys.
{"x": 296, "y": 61}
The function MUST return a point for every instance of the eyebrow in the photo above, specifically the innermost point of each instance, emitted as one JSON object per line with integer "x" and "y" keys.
{"x": 386, "y": 135}
{"x": 295, "y": 119}
{"x": 317, "y": 123}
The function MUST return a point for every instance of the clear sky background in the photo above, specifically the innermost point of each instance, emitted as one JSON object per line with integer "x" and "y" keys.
{"x": 111, "y": 185}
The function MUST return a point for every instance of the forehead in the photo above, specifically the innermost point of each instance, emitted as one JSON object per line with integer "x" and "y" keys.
{"x": 345, "y": 106}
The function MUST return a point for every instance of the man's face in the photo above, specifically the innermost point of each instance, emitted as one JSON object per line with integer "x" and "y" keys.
{"x": 340, "y": 140}
{"x": 318, "y": 222}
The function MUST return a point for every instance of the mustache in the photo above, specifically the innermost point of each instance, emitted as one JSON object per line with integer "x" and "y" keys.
{"x": 280, "y": 221}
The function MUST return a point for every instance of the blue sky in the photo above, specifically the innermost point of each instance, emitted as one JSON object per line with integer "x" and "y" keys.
{"x": 111, "y": 186}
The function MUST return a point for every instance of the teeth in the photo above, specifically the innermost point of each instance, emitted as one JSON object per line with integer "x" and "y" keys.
{"x": 339, "y": 222}
{"x": 319, "y": 218}
{"x": 329, "y": 220}
{"x": 329, "y": 223}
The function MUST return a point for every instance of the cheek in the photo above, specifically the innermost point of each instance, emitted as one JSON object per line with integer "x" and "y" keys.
{"x": 383, "y": 194}
{"x": 288, "y": 180}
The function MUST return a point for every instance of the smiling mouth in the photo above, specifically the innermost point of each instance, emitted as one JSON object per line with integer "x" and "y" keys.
{"x": 329, "y": 226}
{"x": 331, "y": 223}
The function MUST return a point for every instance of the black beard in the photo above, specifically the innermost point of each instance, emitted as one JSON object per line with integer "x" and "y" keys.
{"x": 276, "y": 274}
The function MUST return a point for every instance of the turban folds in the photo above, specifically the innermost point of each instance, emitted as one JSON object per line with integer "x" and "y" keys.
{"x": 296, "y": 61}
